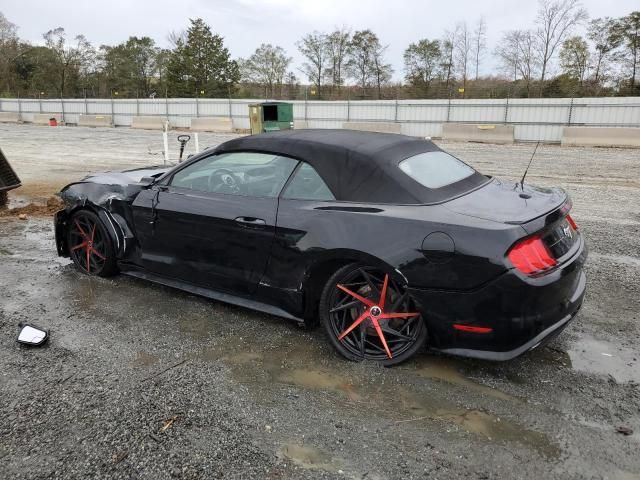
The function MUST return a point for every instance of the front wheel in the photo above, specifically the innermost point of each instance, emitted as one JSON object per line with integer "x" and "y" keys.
{"x": 369, "y": 316}
{"x": 90, "y": 245}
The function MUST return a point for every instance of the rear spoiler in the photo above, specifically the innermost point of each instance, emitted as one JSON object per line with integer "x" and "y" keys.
{"x": 8, "y": 178}
{"x": 548, "y": 218}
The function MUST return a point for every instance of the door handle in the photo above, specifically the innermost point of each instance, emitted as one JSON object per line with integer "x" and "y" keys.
{"x": 250, "y": 221}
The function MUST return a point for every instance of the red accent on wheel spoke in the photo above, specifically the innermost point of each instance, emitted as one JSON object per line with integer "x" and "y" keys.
{"x": 87, "y": 245}
{"x": 375, "y": 319}
{"x": 366, "y": 301}
{"x": 398, "y": 315}
{"x": 376, "y": 325}
{"x": 81, "y": 245}
{"x": 383, "y": 293}
{"x": 82, "y": 232}
{"x": 358, "y": 321}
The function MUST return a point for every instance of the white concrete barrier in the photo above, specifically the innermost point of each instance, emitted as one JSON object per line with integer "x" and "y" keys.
{"x": 9, "y": 117}
{"x": 211, "y": 124}
{"x": 43, "y": 118}
{"x": 148, "y": 123}
{"x": 382, "y": 127}
{"x": 466, "y": 132}
{"x": 600, "y": 137}
{"x": 95, "y": 121}
{"x": 300, "y": 124}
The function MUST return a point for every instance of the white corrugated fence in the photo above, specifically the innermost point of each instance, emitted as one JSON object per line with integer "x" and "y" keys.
{"x": 533, "y": 119}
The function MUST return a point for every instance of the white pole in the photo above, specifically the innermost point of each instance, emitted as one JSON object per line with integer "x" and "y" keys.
{"x": 195, "y": 138}
{"x": 165, "y": 139}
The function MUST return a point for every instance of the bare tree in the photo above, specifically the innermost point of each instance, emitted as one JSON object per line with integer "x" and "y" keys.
{"x": 517, "y": 55}
{"x": 463, "y": 52}
{"x": 600, "y": 34}
{"x": 314, "y": 48}
{"x": 626, "y": 31}
{"x": 69, "y": 58}
{"x": 479, "y": 43}
{"x": 382, "y": 70}
{"x": 267, "y": 66}
{"x": 9, "y": 51}
{"x": 360, "y": 57}
{"x": 337, "y": 47}
{"x": 556, "y": 19}
{"x": 528, "y": 63}
{"x": 508, "y": 53}
{"x": 447, "y": 65}
{"x": 177, "y": 37}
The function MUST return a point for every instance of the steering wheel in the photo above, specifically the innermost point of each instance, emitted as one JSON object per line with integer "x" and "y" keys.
{"x": 223, "y": 178}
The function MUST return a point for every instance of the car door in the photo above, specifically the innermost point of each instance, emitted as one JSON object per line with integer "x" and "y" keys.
{"x": 213, "y": 221}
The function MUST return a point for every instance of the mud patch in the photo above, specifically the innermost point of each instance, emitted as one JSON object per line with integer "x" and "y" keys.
{"x": 449, "y": 370}
{"x": 308, "y": 457}
{"x": 145, "y": 359}
{"x": 51, "y": 206}
{"x": 493, "y": 428}
{"x": 590, "y": 355}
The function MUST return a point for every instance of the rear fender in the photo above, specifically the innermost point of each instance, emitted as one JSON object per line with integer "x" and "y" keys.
{"x": 318, "y": 272}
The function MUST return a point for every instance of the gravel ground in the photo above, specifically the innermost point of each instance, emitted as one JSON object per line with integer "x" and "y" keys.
{"x": 141, "y": 381}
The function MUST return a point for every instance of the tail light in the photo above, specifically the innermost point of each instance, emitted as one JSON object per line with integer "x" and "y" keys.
{"x": 531, "y": 256}
{"x": 573, "y": 224}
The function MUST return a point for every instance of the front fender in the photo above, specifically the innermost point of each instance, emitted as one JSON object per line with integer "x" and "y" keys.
{"x": 116, "y": 226}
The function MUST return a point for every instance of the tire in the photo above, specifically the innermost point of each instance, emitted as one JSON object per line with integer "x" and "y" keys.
{"x": 90, "y": 246}
{"x": 351, "y": 305}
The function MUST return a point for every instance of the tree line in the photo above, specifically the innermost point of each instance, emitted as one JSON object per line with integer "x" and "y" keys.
{"x": 547, "y": 59}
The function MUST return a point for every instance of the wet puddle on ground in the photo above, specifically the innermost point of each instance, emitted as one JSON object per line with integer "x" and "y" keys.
{"x": 145, "y": 359}
{"x": 299, "y": 366}
{"x": 308, "y": 457}
{"x": 602, "y": 358}
{"x": 447, "y": 370}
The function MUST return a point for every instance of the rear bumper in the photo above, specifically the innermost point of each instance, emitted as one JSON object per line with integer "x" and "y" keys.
{"x": 541, "y": 338}
{"x": 521, "y": 312}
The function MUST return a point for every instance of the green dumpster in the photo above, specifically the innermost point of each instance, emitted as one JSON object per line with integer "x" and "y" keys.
{"x": 270, "y": 116}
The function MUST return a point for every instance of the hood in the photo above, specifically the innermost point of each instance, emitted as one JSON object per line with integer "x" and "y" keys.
{"x": 507, "y": 202}
{"x": 126, "y": 177}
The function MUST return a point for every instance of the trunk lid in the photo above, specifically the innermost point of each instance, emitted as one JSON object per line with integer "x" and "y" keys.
{"x": 507, "y": 202}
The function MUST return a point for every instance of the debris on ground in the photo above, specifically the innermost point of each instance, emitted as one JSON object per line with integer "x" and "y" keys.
{"x": 168, "y": 423}
{"x": 624, "y": 430}
{"x": 52, "y": 206}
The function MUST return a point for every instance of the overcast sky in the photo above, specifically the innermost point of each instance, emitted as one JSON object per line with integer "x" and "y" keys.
{"x": 247, "y": 23}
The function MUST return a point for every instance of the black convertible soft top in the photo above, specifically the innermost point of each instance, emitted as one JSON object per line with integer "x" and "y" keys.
{"x": 357, "y": 166}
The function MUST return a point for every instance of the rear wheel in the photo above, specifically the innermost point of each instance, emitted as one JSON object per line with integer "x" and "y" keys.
{"x": 89, "y": 245}
{"x": 369, "y": 316}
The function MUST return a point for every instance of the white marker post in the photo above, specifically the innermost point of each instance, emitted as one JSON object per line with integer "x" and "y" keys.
{"x": 197, "y": 145}
{"x": 165, "y": 139}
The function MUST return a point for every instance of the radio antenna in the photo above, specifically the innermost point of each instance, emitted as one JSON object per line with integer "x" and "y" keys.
{"x": 527, "y": 169}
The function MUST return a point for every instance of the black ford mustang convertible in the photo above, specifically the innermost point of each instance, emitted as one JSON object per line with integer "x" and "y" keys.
{"x": 390, "y": 242}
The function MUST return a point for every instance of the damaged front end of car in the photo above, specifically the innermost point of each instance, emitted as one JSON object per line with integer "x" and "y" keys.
{"x": 108, "y": 195}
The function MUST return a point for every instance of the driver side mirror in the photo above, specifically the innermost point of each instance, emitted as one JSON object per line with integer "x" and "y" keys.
{"x": 32, "y": 335}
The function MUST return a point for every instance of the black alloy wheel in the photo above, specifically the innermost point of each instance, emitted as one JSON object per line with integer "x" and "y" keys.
{"x": 89, "y": 245}
{"x": 369, "y": 316}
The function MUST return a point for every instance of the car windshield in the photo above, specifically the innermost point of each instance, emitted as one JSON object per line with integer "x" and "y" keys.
{"x": 435, "y": 169}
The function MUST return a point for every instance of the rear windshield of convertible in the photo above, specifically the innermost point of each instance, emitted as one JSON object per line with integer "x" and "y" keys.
{"x": 435, "y": 169}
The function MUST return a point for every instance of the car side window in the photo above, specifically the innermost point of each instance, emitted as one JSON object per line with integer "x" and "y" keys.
{"x": 237, "y": 173}
{"x": 307, "y": 184}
